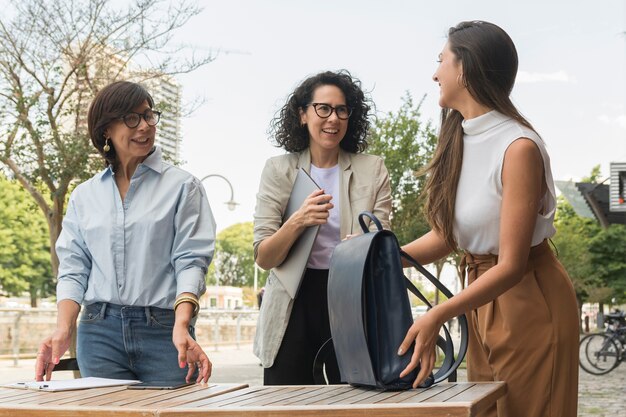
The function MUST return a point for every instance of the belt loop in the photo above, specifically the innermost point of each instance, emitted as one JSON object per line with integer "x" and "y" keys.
{"x": 148, "y": 315}
{"x": 103, "y": 310}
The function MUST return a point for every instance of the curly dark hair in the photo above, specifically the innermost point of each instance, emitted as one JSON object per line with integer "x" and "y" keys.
{"x": 288, "y": 133}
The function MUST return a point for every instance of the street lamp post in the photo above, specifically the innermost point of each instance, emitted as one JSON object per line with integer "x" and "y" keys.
{"x": 232, "y": 205}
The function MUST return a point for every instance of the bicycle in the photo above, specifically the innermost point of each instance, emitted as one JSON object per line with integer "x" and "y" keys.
{"x": 600, "y": 353}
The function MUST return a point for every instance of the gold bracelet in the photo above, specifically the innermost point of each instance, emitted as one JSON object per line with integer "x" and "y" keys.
{"x": 196, "y": 305}
{"x": 188, "y": 299}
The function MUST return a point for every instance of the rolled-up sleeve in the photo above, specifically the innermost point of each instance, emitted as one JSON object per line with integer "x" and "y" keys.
{"x": 74, "y": 258}
{"x": 268, "y": 210}
{"x": 194, "y": 240}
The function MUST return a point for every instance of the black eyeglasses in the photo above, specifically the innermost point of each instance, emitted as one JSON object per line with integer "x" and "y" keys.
{"x": 132, "y": 119}
{"x": 324, "y": 110}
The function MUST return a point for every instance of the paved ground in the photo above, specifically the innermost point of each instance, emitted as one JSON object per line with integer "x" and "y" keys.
{"x": 599, "y": 396}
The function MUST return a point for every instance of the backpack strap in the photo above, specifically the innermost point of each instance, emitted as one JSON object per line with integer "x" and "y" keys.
{"x": 449, "y": 367}
{"x": 372, "y": 218}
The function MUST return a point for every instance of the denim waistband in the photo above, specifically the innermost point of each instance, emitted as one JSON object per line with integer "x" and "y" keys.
{"x": 110, "y": 309}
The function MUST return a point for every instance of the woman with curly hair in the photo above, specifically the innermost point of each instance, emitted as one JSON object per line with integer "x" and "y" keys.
{"x": 323, "y": 127}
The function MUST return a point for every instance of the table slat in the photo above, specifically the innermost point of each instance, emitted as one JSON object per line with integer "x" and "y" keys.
{"x": 233, "y": 400}
{"x": 204, "y": 394}
{"x": 341, "y": 397}
{"x": 210, "y": 401}
{"x": 482, "y": 395}
{"x": 450, "y": 393}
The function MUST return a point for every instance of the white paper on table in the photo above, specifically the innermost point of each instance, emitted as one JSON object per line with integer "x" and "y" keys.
{"x": 71, "y": 384}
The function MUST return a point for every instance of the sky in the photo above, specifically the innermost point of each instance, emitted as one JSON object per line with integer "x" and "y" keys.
{"x": 571, "y": 83}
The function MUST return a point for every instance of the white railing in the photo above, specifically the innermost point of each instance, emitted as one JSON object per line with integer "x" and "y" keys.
{"x": 21, "y": 329}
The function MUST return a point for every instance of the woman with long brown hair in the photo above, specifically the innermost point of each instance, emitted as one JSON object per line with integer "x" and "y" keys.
{"x": 490, "y": 193}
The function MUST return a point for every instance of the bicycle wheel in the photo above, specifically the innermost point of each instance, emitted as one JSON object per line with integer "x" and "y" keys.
{"x": 598, "y": 354}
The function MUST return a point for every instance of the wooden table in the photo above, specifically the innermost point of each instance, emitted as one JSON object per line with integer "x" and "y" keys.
{"x": 237, "y": 400}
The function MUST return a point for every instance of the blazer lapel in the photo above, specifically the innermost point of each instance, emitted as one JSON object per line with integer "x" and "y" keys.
{"x": 304, "y": 161}
{"x": 345, "y": 164}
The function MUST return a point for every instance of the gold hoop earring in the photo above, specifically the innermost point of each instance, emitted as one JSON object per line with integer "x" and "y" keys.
{"x": 106, "y": 148}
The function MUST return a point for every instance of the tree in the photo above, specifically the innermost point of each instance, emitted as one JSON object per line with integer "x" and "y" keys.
{"x": 572, "y": 248}
{"x": 456, "y": 259}
{"x": 54, "y": 56}
{"x": 595, "y": 175}
{"x": 608, "y": 259}
{"x": 234, "y": 257}
{"x": 406, "y": 144}
{"x": 24, "y": 250}
{"x": 605, "y": 257}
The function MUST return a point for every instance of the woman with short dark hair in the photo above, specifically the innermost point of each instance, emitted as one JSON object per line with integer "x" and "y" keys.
{"x": 490, "y": 193}
{"x": 136, "y": 244}
{"x": 323, "y": 127}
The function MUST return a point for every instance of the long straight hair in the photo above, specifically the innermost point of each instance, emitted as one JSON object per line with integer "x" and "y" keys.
{"x": 489, "y": 61}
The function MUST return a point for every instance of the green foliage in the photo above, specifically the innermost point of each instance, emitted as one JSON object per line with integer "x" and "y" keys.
{"x": 54, "y": 57}
{"x": 234, "y": 257}
{"x": 595, "y": 258}
{"x": 24, "y": 244}
{"x": 594, "y": 176}
{"x": 407, "y": 145}
{"x": 608, "y": 257}
{"x": 572, "y": 241}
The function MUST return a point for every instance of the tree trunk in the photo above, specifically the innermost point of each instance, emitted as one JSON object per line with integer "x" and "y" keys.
{"x": 55, "y": 221}
{"x": 33, "y": 297}
{"x": 55, "y": 230}
{"x": 580, "y": 314}
{"x": 600, "y": 317}
{"x": 460, "y": 273}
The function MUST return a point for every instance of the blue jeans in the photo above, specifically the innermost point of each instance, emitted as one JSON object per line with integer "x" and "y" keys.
{"x": 126, "y": 342}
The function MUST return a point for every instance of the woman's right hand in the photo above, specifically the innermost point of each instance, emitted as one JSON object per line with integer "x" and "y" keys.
{"x": 273, "y": 250}
{"x": 50, "y": 352}
{"x": 314, "y": 210}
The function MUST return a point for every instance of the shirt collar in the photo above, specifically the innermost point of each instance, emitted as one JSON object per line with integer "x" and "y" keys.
{"x": 154, "y": 161}
{"x": 483, "y": 123}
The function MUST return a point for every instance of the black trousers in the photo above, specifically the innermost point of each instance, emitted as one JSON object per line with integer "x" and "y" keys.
{"x": 307, "y": 330}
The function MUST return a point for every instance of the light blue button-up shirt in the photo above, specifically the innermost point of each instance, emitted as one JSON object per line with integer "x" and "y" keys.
{"x": 142, "y": 251}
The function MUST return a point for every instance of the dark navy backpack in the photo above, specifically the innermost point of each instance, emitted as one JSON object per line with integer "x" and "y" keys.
{"x": 370, "y": 313}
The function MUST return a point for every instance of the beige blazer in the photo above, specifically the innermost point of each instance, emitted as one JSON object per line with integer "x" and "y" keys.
{"x": 364, "y": 185}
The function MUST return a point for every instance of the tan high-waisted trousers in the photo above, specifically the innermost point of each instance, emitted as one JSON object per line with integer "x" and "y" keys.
{"x": 527, "y": 337}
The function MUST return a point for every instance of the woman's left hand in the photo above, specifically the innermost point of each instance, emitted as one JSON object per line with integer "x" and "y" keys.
{"x": 424, "y": 332}
{"x": 190, "y": 353}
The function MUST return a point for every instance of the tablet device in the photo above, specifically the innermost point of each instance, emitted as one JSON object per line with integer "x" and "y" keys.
{"x": 158, "y": 385}
{"x": 290, "y": 272}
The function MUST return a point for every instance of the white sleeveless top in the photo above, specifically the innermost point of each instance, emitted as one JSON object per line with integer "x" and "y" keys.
{"x": 328, "y": 235}
{"x": 479, "y": 193}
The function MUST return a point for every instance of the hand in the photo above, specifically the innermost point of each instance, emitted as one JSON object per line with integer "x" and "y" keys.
{"x": 314, "y": 209}
{"x": 191, "y": 354}
{"x": 50, "y": 352}
{"x": 350, "y": 236}
{"x": 424, "y": 332}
